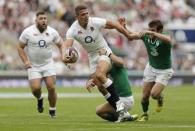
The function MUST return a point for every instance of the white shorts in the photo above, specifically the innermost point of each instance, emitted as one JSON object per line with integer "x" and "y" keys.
{"x": 156, "y": 75}
{"x": 128, "y": 101}
{"x": 94, "y": 58}
{"x": 42, "y": 71}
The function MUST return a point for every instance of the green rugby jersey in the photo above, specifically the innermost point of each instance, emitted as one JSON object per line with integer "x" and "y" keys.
{"x": 159, "y": 52}
{"x": 121, "y": 81}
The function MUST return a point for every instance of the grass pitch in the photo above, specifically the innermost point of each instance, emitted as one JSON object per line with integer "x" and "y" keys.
{"x": 76, "y": 113}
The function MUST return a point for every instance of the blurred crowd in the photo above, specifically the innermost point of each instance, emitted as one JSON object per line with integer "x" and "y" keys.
{"x": 15, "y": 15}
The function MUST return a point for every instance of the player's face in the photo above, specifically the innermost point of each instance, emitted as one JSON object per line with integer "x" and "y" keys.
{"x": 41, "y": 22}
{"x": 83, "y": 17}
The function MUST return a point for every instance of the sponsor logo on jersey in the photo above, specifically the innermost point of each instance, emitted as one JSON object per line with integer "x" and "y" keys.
{"x": 88, "y": 39}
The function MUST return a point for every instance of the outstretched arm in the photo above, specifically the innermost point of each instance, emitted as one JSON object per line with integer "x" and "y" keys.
{"x": 165, "y": 38}
{"x": 118, "y": 27}
{"x": 132, "y": 35}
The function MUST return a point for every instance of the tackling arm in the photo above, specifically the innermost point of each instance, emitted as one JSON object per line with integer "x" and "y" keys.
{"x": 115, "y": 59}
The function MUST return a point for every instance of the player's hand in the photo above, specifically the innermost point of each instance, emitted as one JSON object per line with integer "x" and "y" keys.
{"x": 90, "y": 85}
{"x": 66, "y": 59}
{"x": 70, "y": 59}
{"x": 27, "y": 64}
{"x": 122, "y": 21}
{"x": 102, "y": 51}
{"x": 142, "y": 33}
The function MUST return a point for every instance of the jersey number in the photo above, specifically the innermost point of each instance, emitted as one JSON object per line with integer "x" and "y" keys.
{"x": 154, "y": 52}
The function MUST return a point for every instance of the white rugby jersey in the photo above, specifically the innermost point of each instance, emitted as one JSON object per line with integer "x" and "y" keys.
{"x": 90, "y": 38}
{"x": 39, "y": 45}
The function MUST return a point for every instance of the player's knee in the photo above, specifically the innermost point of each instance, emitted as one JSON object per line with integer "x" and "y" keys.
{"x": 145, "y": 97}
{"x": 98, "y": 111}
{"x": 99, "y": 75}
{"x": 35, "y": 90}
{"x": 154, "y": 95}
{"x": 51, "y": 89}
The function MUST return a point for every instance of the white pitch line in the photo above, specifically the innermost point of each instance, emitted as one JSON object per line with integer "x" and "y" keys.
{"x": 60, "y": 95}
{"x": 125, "y": 125}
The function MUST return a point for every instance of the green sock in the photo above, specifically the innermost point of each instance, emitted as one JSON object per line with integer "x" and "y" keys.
{"x": 145, "y": 105}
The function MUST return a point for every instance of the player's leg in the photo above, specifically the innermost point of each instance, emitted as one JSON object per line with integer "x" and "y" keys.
{"x": 162, "y": 78}
{"x": 107, "y": 112}
{"x": 107, "y": 96}
{"x": 149, "y": 81}
{"x": 145, "y": 100}
{"x": 101, "y": 70}
{"x": 128, "y": 104}
{"x": 156, "y": 93}
{"x": 35, "y": 84}
{"x": 52, "y": 96}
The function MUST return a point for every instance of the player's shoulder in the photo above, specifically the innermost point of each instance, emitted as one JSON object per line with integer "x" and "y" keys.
{"x": 74, "y": 25}
{"x": 73, "y": 28}
{"x": 95, "y": 19}
{"x": 28, "y": 29}
{"x": 51, "y": 29}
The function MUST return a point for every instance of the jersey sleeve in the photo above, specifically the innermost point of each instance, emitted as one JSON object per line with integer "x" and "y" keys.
{"x": 99, "y": 22}
{"x": 24, "y": 37}
{"x": 144, "y": 38}
{"x": 70, "y": 34}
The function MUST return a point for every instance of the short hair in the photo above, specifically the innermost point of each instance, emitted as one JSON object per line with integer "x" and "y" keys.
{"x": 157, "y": 23}
{"x": 79, "y": 8}
{"x": 40, "y": 13}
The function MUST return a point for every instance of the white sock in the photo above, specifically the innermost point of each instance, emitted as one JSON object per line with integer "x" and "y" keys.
{"x": 40, "y": 98}
{"x": 108, "y": 83}
{"x": 52, "y": 108}
{"x": 107, "y": 96}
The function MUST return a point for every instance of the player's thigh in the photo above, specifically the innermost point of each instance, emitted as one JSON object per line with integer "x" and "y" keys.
{"x": 34, "y": 76}
{"x": 49, "y": 77}
{"x": 149, "y": 75}
{"x": 157, "y": 89}
{"x": 35, "y": 84}
{"x": 34, "y": 73}
{"x": 50, "y": 81}
{"x": 104, "y": 64}
{"x": 147, "y": 89}
{"x": 104, "y": 108}
{"x": 163, "y": 76}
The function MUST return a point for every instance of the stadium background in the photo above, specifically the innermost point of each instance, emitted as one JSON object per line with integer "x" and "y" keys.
{"x": 177, "y": 15}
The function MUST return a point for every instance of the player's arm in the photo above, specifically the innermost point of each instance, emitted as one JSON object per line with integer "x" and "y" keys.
{"x": 67, "y": 43}
{"x": 59, "y": 45}
{"x": 132, "y": 35}
{"x": 165, "y": 38}
{"x": 90, "y": 85}
{"x": 23, "y": 56}
{"x": 115, "y": 59}
{"x": 118, "y": 27}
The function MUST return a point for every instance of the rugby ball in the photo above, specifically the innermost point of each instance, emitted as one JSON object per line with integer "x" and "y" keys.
{"x": 72, "y": 53}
